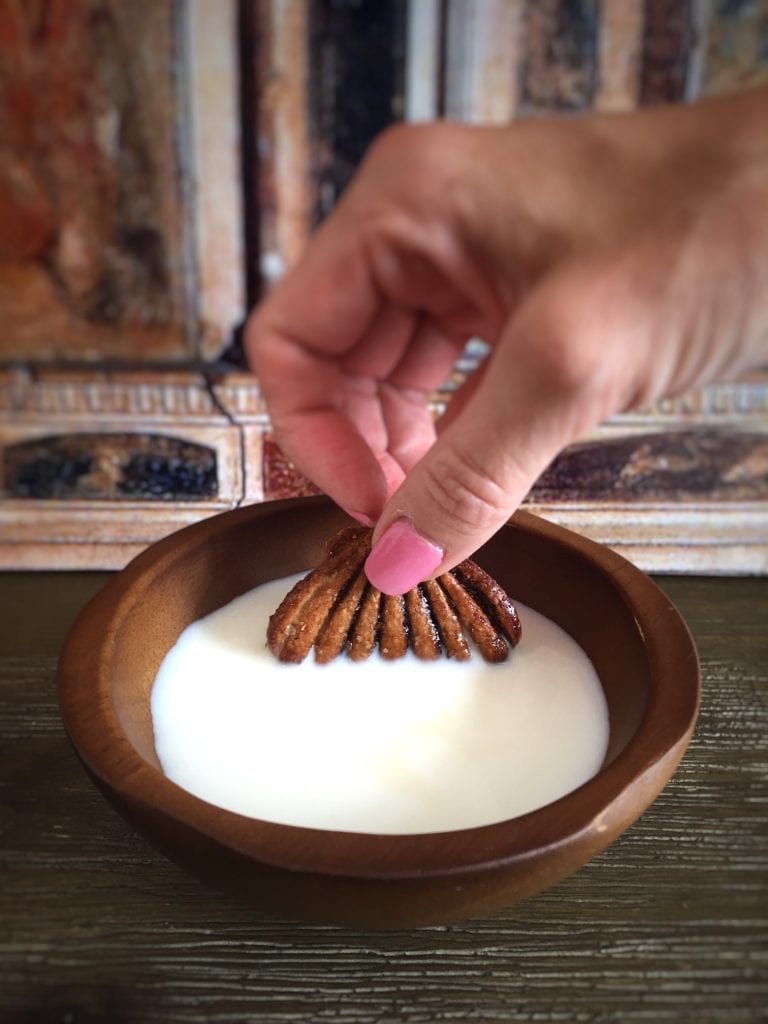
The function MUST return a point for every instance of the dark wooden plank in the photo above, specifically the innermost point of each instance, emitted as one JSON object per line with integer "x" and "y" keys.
{"x": 734, "y": 45}
{"x": 559, "y": 68}
{"x": 668, "y": 925}
{"x": 667, "y": 43}
{"x": 356, "y": 88}
{"x": 38, "y": 609}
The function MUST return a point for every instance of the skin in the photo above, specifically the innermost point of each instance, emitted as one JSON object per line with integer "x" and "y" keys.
{"x": 608, "y": 261}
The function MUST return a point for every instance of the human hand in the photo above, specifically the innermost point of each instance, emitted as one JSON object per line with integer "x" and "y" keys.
{"x": 607, "y": 261}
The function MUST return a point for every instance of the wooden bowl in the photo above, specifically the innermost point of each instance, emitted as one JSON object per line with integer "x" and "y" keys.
{"x": 637, "y": 641}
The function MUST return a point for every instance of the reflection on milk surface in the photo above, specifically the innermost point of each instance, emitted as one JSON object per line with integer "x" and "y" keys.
{"x": 379, "y": 746}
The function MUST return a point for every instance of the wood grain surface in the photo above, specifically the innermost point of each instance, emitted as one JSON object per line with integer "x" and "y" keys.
{"x": 670, "y": 924}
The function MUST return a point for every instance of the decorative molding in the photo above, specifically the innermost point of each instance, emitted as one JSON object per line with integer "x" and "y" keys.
{"x": 88, "y": 535}
{"x": 226, "y": 414}
{"x": 619, "y": 54}
{"x": 239, "y": 396}
{"x": 99, "y": 413}
{"x": 284, "y": 178}
{"x": 422, "y": 60}
{"x": 210, "y": 72}
{"x": 485, "y": 47}
{"x": 101, "y": 395}
{"x": 716, "y": 538}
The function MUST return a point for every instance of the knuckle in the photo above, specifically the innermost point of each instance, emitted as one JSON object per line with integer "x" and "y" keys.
{"x": 410, "y": 140}
{"x": 398, "y": 145}
{"x": 567, "y": 357}
{"x": 565, "y": 365}
{"x": 462, "y": 492}
{"x": 422, "y": 157}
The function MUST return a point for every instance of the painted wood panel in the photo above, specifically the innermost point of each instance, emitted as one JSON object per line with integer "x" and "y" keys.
{"x": 117, "y": 180}
{"x": 154, "y": 155}
{"x": 93, "y": 246}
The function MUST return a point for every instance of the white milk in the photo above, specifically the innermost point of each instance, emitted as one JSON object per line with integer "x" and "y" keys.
{"x": 386, "y": 747}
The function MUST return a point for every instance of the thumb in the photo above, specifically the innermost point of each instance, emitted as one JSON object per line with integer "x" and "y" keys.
{"x": 535, "y": 396}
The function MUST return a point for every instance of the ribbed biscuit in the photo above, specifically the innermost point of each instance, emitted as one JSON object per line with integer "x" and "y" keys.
{"x": 335, "y": 610}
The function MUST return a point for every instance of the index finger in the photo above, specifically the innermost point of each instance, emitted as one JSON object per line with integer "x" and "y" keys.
{"x": 296, "y": 341}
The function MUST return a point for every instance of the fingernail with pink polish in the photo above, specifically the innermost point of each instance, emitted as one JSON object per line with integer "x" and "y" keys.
{"x": 401, "y": 558}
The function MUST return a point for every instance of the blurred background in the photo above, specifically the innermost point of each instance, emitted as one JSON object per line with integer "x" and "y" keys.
{"x": 163, "y": 161}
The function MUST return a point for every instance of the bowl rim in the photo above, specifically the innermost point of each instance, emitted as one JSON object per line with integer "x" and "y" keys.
{"x": 597, "y": 811}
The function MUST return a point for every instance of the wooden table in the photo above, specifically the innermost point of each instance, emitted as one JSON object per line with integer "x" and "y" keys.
{"x": 669, "y": 924}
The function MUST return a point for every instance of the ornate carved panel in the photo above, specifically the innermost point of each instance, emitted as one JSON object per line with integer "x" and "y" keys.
{"x": 97, "y": 464}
